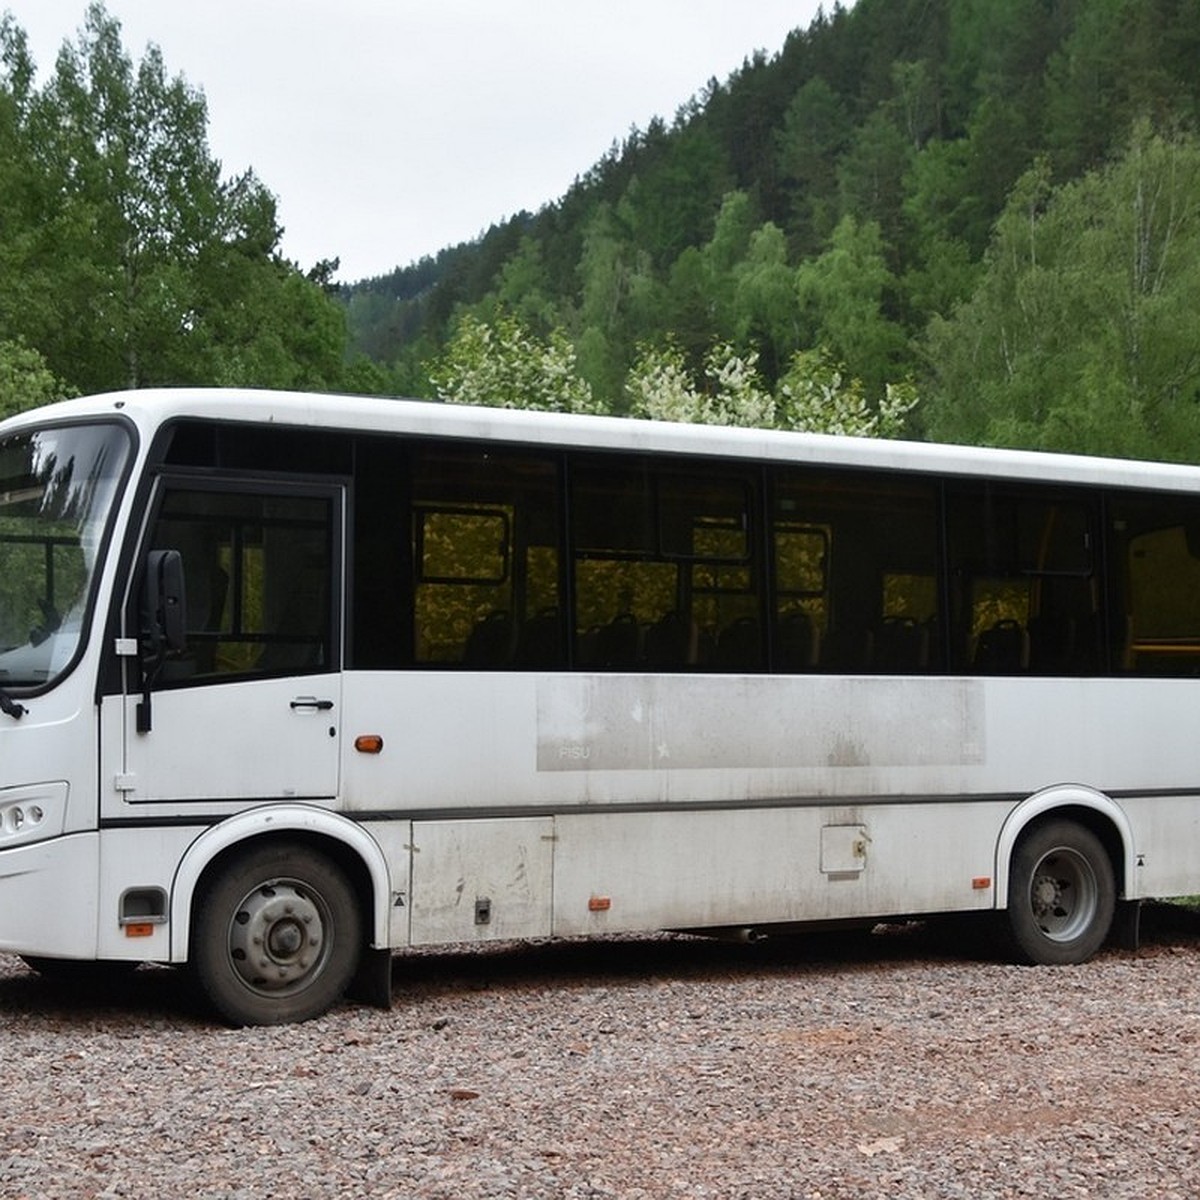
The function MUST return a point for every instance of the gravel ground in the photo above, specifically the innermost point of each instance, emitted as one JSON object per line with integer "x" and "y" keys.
{"x": 849, "y": 1065}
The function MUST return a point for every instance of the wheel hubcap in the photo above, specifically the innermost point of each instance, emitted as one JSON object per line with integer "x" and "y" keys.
{"x": 1063, "y": 894}
{"x": 278, "y": 939}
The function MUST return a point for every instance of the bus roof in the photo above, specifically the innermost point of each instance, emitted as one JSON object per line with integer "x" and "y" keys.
{"x": 151, "y": 408}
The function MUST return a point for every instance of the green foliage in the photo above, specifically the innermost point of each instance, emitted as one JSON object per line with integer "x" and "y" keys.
{"x": 661, "y": 388}
{"x": 502, "y": 364}
{"x": 936, "y": 192}
{"x": 843, "y": 294}
{"x": 815, "y": 129}
{"x": 999, "y": 195}
{"x": 1080, "y": 334}
{"x": 25, "y": 381}
{"x": 127, "y": 260}
{"x": 766, "y": 302}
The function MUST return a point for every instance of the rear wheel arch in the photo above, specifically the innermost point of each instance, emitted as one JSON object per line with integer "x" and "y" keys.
{"x": 1092, "y": 810}
{"x": 1064, "y": 859}
{"x": 1062, "y": 894}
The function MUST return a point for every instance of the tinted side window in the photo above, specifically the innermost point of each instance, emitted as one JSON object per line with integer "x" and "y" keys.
{"x": 1155, "y": 553}
{"x": 1023, "y": 581}
{"x": 855, "y": 561}
{"x": 483, "y": 545}
{"x": 665, "y": 574}
{"x": 258, "y": 569}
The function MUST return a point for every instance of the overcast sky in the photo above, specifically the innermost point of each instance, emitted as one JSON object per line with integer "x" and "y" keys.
{"x": 389, "y": 129}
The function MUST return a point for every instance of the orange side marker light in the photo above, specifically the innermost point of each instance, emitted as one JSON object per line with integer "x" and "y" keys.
{"x": 139, "y": 929}
{"x": 981, "y": 882}
{"x": 599, "y": 903}
{"x": 368, "y": 743}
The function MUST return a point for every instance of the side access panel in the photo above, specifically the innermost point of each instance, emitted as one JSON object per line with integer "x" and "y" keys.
{"x": 476, "y": 881}
{"x": 619, "y": 872}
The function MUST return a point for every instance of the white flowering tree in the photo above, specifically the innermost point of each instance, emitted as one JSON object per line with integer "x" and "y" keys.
{"x": 815, "y": 395}
{"x": 660, "y": 387}
{"x": 502, "y": 365}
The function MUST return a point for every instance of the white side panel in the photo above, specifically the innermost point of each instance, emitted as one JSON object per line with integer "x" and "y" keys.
{"x": 235, "y": 741}
{"x": 141, "y": 858}
{"x": 481, "y": 880}
{"x": 1168, "y": 846}
{"x": 478, "y": 741}
{"x": 48, "y": 898}
{"x": 55, "y": 741}
{"x": 681, "y": 870}
{"x": 394, "y": 839}
{"x": 953, "y": 757}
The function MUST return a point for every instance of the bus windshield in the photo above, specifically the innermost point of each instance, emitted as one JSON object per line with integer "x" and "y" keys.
{"x": 57, "y": 488}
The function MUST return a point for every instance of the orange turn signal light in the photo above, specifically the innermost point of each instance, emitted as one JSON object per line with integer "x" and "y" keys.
{"x": 139, "y": 929}
{"x": 368, "y": 743}
{"x": 599, "y": 904}
{"x": 981, "y": 882}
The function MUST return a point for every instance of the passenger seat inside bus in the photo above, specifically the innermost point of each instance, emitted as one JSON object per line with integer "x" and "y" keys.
{"x": 671, "y": 643}
{"x": 739, "y": 646}
{"x": 899, "y": 644}
{"x": 1002, "y": 649}
{"x": 797, "y": 643}
{"x": 492, "y": 642}
{"x": 540, "y": 640}
{"x": 618, "y": 644}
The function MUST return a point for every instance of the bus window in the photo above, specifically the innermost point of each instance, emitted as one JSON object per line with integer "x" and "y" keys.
{"x": 1158, "y": 597}
{"x": 464, "y": 585}
{"x": 801, "y": 593}
{"x": 664, "y": 571}
{"x": 1025, "y": 590}
{"x": 258, "y": 571}
{"x": 855, "y": 573}
{"x": 463, "y": 545}
{"x": 485, "y": 555}
{"x": 56, "y": 487}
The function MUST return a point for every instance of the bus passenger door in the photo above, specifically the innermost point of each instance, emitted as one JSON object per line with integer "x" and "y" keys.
{"x": 249, "y": 709}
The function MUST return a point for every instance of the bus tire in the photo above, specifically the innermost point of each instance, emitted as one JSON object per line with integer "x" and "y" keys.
{"x": 1061, "y": 894}
{"x": 276, "y": 936}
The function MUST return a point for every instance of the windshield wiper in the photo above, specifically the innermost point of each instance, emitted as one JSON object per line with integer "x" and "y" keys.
{"x": 10, "y": 707}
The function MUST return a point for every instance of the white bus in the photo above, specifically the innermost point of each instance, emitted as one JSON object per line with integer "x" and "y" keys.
{"x": 289, "y": 682}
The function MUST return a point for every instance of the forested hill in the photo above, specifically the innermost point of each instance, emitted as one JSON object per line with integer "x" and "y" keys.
{"x": 996, "y": 200}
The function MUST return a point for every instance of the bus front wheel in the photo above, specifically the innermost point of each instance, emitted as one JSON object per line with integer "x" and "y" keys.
{"x": 1061, "y": 894}
{"x": 276, "y": 936}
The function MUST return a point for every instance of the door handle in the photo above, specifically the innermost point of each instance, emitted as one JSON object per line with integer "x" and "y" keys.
{"x": 311, "y": 702}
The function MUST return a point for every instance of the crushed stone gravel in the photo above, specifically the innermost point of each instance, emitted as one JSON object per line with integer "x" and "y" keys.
{"x": 900, "y": 1063}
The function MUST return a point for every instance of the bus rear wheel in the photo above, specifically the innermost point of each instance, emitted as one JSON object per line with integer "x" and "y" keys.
{"x": 276, "y": 936}
{"x": 1061, "y": 894}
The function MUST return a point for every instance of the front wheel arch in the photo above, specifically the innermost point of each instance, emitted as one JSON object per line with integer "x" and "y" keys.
{"x": 277, "y": 932}
{"x": 348, "y": 842}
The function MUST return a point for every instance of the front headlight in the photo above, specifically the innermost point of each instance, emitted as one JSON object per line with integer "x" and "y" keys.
{"x": 29, "y": 814}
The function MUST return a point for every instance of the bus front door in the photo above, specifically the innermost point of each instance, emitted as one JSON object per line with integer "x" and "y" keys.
{"x": 247, "y": 708}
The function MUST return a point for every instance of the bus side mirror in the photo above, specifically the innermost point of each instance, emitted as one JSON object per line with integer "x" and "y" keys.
{"x": 164, "y": 624}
